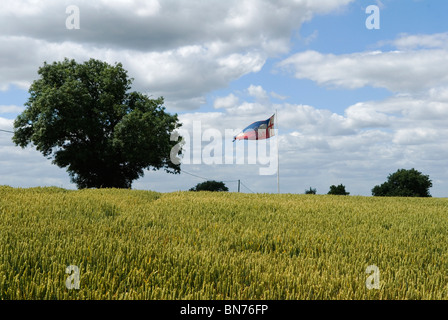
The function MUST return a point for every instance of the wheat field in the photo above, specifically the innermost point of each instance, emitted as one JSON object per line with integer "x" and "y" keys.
{"x": 131, "y": 244}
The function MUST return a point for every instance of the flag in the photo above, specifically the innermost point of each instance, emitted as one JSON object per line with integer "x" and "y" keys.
{"x": 258, "y": 130}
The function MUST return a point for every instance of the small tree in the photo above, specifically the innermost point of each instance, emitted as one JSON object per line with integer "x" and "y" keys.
{"x": 404, "y": 183}
{"x": 338, "y": 190}
{"x": 210, "y": 186}
{"x": 310, "y": 191}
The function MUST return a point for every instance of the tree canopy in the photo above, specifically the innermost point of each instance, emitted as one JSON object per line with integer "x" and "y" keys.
{"x": 311, "y": 191}
{"x": 85, "y": 118}
{"x": 210, "y": 185}
{"x": 404, "y": 183}
{"x": 338, "y": 190}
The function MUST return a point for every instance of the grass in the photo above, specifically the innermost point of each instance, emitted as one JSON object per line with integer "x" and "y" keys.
{"x": 131, "y": 244}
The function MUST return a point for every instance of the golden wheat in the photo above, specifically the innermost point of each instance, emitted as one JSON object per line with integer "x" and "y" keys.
{"x": 131, "y": 244}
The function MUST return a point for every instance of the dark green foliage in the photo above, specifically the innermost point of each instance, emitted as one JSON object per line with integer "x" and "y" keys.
{"x": 310, "y": 191}
{"x": 210, "y": 186}
{"x": 338, "y": 190}
{"x": 404, "y": 183}
{"x": 84, "y": 117}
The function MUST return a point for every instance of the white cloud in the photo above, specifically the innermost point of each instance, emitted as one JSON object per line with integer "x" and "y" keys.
{"x": 277, "y": 96}
{"x": 310, "y": 120}
{"x": 257, "y": 92}
{"x": 6, "y": 124}
{"x": 397, "y": 71}
{"x": 11, "y": 109}
{"x": 417, "y": 136}
{"x": 439, "y": 94}
{"x": 178, "y": 75}
{"x": 142, "y": 8}
{"x": 22, "y": 8}
{"x": 362, "y": 115}
{"x": 409, "y": 42}
{"x": 226, "y": 102}
{"x": 179, "y": 49}
{"x": 429, "y": 106}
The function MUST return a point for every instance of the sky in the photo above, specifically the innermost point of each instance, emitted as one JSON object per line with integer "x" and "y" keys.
{"x": 359, "y": 94}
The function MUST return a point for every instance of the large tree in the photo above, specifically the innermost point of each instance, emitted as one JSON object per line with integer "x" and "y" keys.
{"x": 85, "y": 118}
{"x": 404, "y": 183}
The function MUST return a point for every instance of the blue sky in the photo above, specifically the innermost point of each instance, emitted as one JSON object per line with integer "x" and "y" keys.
{"x": 354, "y": 104}
{"x": 343, "y": 32}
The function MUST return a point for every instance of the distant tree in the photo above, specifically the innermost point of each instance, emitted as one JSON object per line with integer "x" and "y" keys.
{"x": 404, "y": 183}
{"x": 210, "y": 185}
{"x": 84, "y": 116}
{"x": 310, "y": 191}
{"x": 338, "y": 190}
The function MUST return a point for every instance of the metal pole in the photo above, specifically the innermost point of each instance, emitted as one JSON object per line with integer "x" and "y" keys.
{"x": 239, "y": 181}
{"x": 278, "y": 157}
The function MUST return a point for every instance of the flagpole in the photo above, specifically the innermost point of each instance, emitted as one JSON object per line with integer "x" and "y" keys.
{"x": 278, "y": 157}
